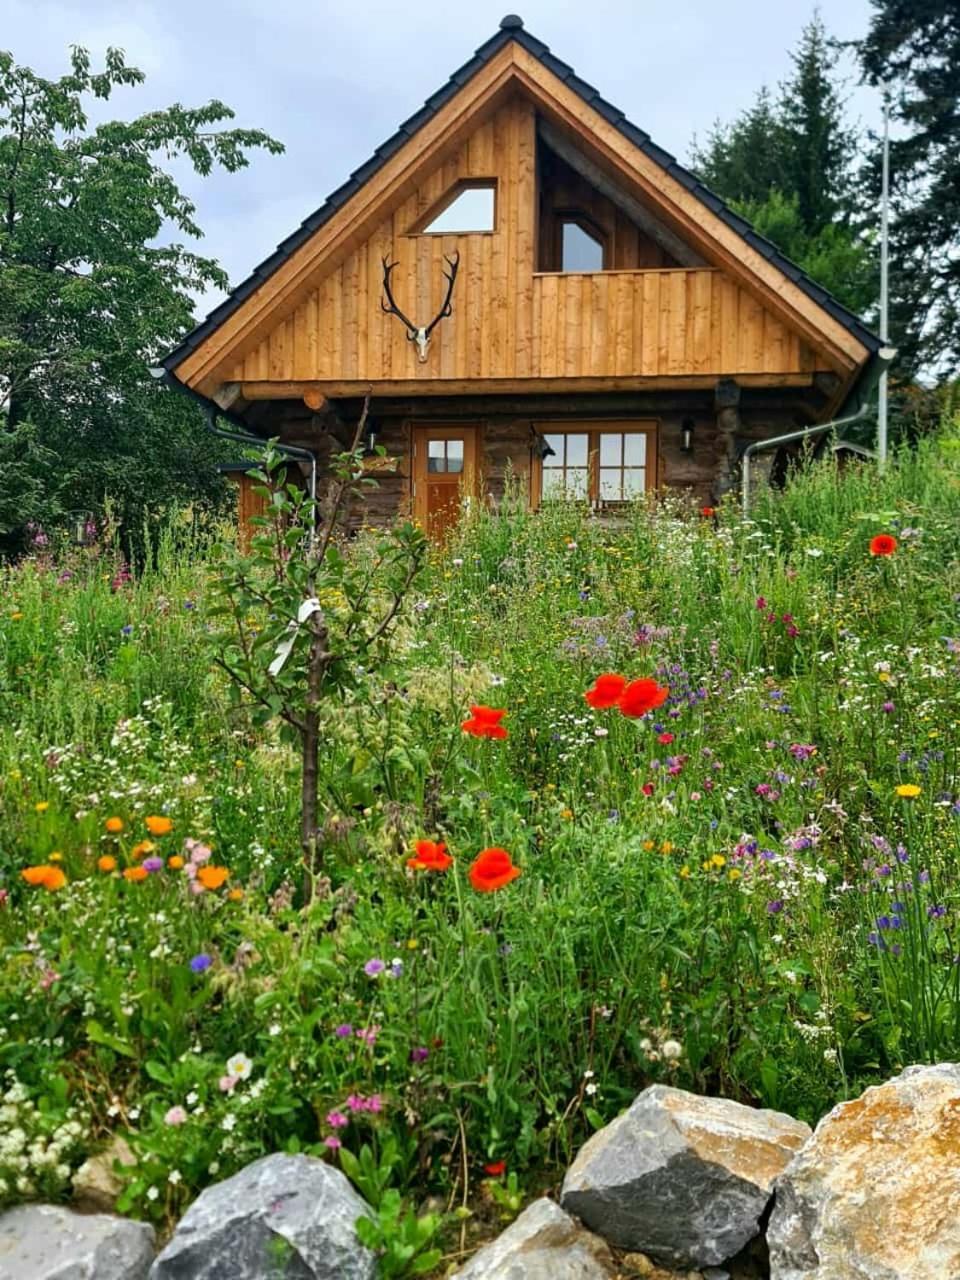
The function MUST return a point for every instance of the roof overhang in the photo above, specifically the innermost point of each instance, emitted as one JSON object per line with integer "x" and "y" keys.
{"x": 513, "y": 62}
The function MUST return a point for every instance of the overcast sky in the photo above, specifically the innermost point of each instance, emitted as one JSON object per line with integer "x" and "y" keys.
{"x": 333, "y": 80}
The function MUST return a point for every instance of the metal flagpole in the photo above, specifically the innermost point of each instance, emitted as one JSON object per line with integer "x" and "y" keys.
{"x": 884, "y": 282}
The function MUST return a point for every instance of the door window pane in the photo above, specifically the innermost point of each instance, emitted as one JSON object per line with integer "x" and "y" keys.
{"x": 455, "y": 455}
{"x": 436, "y": 455}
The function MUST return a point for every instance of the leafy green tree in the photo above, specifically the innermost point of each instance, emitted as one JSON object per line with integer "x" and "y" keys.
{"x": 788, "y": 165}
{"x": 302, "y": 618}
{"x": 91, "y": 294}
{"x": 913, "y": 49}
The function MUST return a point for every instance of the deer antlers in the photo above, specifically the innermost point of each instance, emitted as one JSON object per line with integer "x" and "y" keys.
{"x": 420, "y": 334}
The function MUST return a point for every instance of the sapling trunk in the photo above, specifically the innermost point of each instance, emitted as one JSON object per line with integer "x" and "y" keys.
{"x": 318, "y": 658}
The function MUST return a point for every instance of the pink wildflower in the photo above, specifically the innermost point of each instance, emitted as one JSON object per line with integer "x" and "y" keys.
{"x": 175, "y": 1116}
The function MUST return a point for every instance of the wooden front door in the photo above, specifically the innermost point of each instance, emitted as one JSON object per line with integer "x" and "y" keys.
{"x": 444, "y": 473}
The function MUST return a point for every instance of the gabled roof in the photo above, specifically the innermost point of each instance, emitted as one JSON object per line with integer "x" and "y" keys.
{"x": 512, "y": 29}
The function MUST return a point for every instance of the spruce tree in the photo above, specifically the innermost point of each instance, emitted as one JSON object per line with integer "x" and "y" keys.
{"x": 787, "y": 164}
{"x": 913, "y": 50}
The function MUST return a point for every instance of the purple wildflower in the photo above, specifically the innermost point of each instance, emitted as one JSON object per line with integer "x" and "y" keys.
{"x": 373, "y": 967}
{"x": 201, "y": 962}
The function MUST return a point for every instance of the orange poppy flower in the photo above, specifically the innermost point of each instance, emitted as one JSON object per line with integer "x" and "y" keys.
{"x": 138, "y": 850}
{"x": 212, "y": 877}
{"x": 106, "y": 863}
{"x": 491, "y": 870}
{"x": 431, "y": 856}
{"x": 158, "y": 825}
{"x": 235, "y": 895}
{"x": 51, "y": 878}
{"x": 484, "y": 722}
{"x": 175, "y": 862}
{"x": 641, "y": 696}
{"x": 135, "y": 874}
{"x": 114, "y": 826}
{"x": 884, "y": 544}
{"x": 606, "y": 691}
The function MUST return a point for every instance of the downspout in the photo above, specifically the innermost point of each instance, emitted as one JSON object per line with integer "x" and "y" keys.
{"x": 804, "y": 433}
{"x": 241, "y": 433}
{"x": 865, "y": 385}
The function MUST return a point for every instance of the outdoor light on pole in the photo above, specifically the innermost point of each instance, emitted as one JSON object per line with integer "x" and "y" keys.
{"x": 884, "y": 281}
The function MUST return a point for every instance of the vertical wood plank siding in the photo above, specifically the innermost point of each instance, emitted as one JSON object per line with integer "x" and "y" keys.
{"x": 508, "y": 320}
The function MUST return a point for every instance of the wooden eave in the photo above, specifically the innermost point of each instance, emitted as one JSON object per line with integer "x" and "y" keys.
{"x": 513, "y": 60}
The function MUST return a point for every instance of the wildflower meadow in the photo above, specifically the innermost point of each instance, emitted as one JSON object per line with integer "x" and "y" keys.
{"x": 669, "y": 798}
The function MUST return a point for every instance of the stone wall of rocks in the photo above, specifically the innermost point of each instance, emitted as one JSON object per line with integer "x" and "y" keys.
{"x": 677, "y": 1186}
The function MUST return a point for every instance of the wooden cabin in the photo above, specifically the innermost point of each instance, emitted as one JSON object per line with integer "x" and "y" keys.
{"x": 525, "y": 284}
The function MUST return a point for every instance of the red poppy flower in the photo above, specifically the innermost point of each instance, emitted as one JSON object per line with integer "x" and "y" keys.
{"x": 484, "y": 722}
{"x": 708, "y": 512}
{"x": 491, "y": 870}
{"x": 664, "y": 739}
{"x": 884, "y": 544}
{"x": 641, "y": 696}
{"x": 647, "y": 788}
{"x": 606, "y": 691}
{"x": 496, "y": 1168}
{"x": 431, "y": 856}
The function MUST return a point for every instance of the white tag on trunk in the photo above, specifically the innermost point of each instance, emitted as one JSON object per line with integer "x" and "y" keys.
{"x": 285, "y": 647}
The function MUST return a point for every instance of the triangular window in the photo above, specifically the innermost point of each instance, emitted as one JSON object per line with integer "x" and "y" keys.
{"x": 471, "y": 207}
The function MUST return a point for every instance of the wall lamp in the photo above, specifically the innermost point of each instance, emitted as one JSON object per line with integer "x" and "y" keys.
{"x": 371, "y": 439}
{"x": 686, "y": 435}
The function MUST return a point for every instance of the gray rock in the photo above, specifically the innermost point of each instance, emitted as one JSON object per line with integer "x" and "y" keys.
{"x": 681, "y": 1178}
{"x": 875, "y": 1193}
{"x": 49, "y": 1242}
{"x": 280, "y": 1218}
{"x": 544, "y": 1243}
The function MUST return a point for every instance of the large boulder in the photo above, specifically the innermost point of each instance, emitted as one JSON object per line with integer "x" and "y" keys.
{"x": 875, "y": 1193}
{"x": 544, "y": 1243}
{"x": 681, "y": 1178}
{"x": 49, "y": 1242}
{"x": 282, "y": 1216}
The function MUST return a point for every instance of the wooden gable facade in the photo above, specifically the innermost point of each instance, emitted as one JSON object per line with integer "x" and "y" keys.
{"x": 612, "y": 326}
